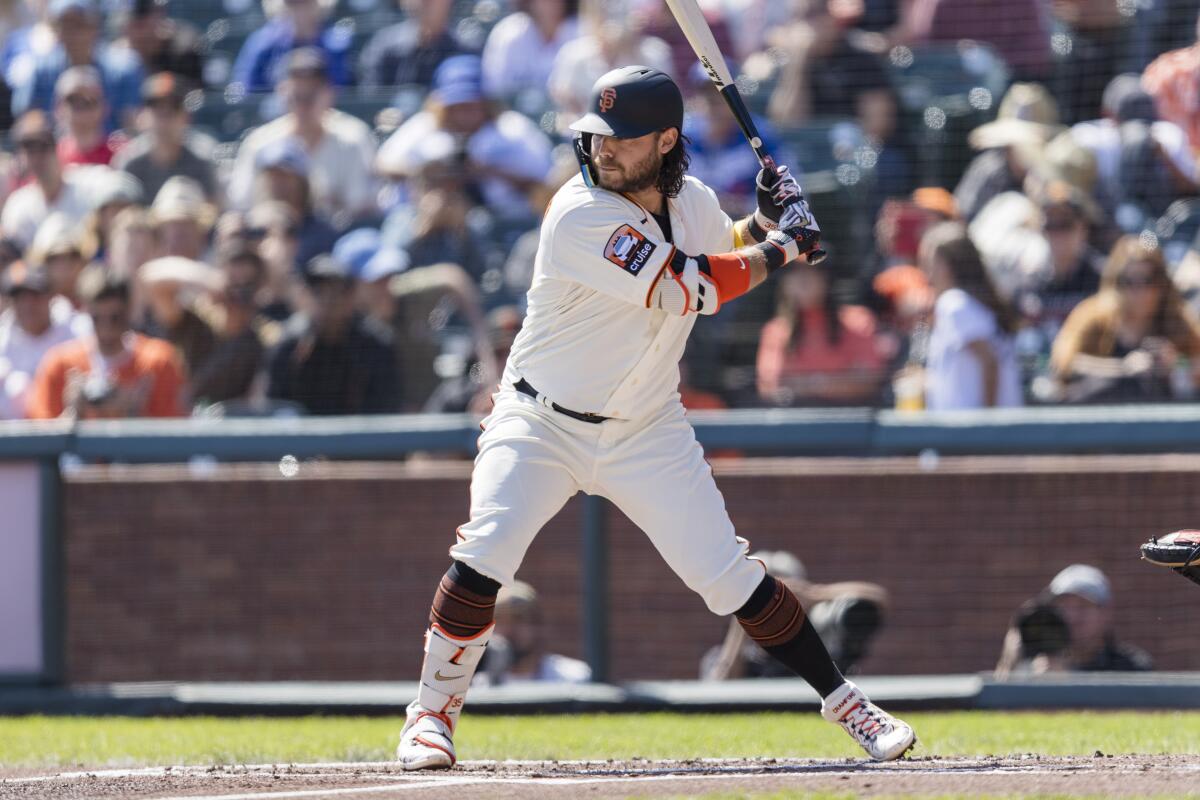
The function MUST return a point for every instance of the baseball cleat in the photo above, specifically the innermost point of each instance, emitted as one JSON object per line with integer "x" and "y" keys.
{"x": 426, "y": 741}
{"x": 884, "y": 737}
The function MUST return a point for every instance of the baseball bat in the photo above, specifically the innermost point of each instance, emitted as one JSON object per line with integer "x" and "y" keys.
{"x": 695, "y": 29}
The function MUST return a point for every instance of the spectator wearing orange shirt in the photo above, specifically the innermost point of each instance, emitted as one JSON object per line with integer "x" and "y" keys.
{"x": 1173, "y": 80}
{"x": 816, "y": 351}
{"x": 114, "y": 373}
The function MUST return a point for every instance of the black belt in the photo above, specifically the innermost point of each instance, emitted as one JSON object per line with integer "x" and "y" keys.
{"x": 523, "y": 387}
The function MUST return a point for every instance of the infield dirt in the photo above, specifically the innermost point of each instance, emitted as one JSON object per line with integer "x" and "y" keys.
{"x": 1098, "y": 776}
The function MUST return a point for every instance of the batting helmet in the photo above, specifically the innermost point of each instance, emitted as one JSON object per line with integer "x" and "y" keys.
{"x": 632, "y": 101}
{"x": 626, "y": 103}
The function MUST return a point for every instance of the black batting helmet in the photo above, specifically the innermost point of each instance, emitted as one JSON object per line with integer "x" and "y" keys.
{"x": 632, "y": 101}
{"x": 626, "y": 103}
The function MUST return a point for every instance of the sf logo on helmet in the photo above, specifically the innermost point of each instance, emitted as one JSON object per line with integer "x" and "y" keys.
{"x": 608, "y": 98}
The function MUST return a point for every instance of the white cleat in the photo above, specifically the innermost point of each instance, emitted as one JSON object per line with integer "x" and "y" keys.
{"x": 884, "y": 737}
{"x": 426, "y": 742}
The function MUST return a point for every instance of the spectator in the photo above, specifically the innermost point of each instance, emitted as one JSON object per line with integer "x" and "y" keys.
{"x": 113, "y": 373}
{"x": 331, "y": 360}
{"x": 1011, "y": 144}
{"x": 292, "y": 24}
{"x": 435, "y": 229}
{"x": 79, "y": 109}
{"x": 505, "y": 153}
{"x": 972, "y": 359}
{"x": 520, "y": 51}
{"x": 408, "y": 53}
{"x": 375, "y": 298}
{"x": 847, "y": 616}
{"x": 134, "y": 239}
{"x": 718, "y": 152}
{"x": 119, "y": 192}
{"x": 1124, "y": 343}
{"x": 1095, "y": 29}
{"x": 169, "y": 146}
{"x": 50, "y": 190}
{"x": 60, "y": 249}
{"x": 471, "y": 387}
{"x": 1054, "y": 266}
{"x": 339, "y": 148}
{"x": 1069, "y": 628}
{"x": 163, "y": 44}
{"x": 517, "y": 652}
{"x": 77, "y": 26}
{"x": 28, "y": 329}
{"x": 817, "y": 351}
{"x": 900, "y": 224}
{"x": 230, "y": 369}
{"x": 610, "y": 38}
{"x": 184, "y": 218}
{"x": 1171, "y": 81}
{"x": 177, "y": 291}
{"x": 282, "y": 178}
{"x": 274, "y": 232}
{"x": 424, "y": 301}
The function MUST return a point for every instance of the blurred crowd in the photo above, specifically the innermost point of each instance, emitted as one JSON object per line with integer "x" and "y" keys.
{"x": 331, "y": 206}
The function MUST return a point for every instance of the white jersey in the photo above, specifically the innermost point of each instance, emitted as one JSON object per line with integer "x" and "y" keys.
{"x": 590, "y": 342}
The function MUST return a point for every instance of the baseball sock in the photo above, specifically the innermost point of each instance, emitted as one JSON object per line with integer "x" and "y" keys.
{"x": 774, "y": 618}
{"x": 465, "y": 602}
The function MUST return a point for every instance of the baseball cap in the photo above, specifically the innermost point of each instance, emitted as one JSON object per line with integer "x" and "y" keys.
{"x": 1125, "y": 100}
{"x": 458, "y": 79}
{"x": 118, "y": 187}
{"x": 59, "y": 8}
{"x": 1028, "y": 115}
{"x": 21, "y": 277}
{"x": 286, "y": 154}
{"x": 324, "y": 268}
{"x": 1082, "y": 580}
{"x": 387, "y": 262}
{"x": 76, "y": 78}
{"x": 308, "y": 62}
{"x": 355, "y": 249}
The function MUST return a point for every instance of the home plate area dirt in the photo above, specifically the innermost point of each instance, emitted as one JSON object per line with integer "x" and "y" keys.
{"x": 1101, "y": 775}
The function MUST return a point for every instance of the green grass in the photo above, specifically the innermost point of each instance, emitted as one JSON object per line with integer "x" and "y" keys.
{"x": 124, "y": 741}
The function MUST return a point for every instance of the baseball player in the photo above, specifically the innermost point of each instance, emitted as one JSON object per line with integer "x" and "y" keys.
{"x": 631, "y": 250}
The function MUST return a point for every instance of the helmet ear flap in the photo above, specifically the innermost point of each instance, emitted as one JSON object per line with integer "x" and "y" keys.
{"x": 583, "y": 154}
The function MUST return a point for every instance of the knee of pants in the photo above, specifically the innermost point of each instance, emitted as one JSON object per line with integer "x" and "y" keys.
{"x": 491, "y": 549}
{"x": 730, "y": 590}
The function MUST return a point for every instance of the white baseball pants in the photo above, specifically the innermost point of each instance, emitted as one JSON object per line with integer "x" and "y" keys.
{"x": 533, "y": 459}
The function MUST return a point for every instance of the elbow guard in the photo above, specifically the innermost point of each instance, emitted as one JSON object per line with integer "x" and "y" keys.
{"x": 699, "y": 284}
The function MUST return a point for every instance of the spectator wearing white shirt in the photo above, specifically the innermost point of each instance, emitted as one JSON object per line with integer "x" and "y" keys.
{"x": 505, "y": 153}
{"x": 520, "y": 50}
{"x": 31, "y": 325}
{"x": 611, "y": 38}
{"x": 340, "y": 148}
{"x": 972, "y": 359}
{"x": 518, "y": 652}
{"x": 51, "y": 190}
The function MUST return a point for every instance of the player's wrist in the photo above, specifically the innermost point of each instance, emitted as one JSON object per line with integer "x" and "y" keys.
{"x": 759, "y": 225}
{"x": 780, "y": 249}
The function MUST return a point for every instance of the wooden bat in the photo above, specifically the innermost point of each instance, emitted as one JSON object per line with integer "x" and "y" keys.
{"x": 695, "y": 29}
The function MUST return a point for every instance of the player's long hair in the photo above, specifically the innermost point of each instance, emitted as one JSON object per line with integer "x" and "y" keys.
{"x": 674, "y": 167}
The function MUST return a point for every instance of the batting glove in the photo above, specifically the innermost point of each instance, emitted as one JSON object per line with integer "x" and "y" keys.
{"x": 775, "y": 190}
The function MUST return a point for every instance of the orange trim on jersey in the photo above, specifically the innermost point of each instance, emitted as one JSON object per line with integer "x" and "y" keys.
{"x": 454, "y": 638}
{"x": 731, "y": 273}
{"x": 658, "y": 275}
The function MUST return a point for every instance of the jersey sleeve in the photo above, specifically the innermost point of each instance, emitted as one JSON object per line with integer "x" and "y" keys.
{"x": 608, "y": 250}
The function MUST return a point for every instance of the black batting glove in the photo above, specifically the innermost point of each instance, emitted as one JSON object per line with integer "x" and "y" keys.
{"x": 774, "y": 189}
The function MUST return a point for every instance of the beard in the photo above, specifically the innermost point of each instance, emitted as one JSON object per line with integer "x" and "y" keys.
{"x": 634, "y": 178}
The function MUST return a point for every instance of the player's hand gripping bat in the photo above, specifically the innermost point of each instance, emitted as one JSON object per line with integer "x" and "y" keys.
{"x": 695, "y": 28}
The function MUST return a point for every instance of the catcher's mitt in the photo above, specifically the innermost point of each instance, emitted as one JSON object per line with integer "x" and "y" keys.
{"x": 1179, "y": 551}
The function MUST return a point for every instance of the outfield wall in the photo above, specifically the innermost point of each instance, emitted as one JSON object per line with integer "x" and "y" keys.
{"x": 234, "y": 572}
